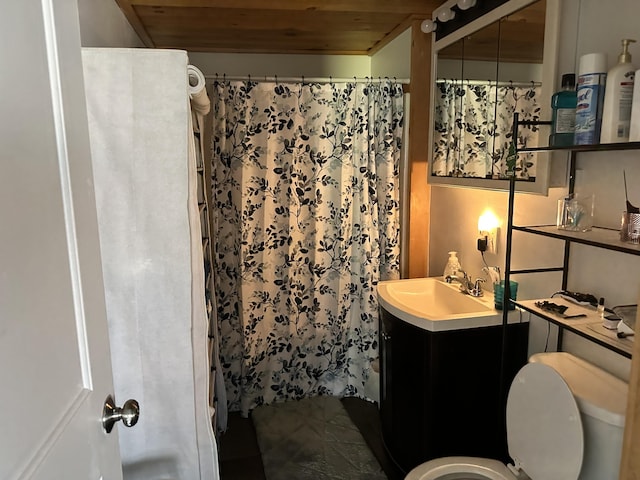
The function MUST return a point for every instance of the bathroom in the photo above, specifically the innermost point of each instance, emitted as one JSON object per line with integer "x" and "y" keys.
{"x": 444, "y": 218}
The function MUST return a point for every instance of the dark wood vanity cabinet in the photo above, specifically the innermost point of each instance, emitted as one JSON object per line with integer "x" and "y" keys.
{"x": 441, "y": 392}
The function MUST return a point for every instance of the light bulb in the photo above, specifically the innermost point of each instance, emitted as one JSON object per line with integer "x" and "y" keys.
{"x": 428, "y": 26}
{"x": 488, "y": 221}
{"x": 488, "y": 225}
{"x": 466, "y": 4}
{"x": 446, "y": 14}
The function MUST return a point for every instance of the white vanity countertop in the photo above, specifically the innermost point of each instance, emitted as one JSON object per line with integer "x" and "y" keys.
{"x": 434, "y": 305}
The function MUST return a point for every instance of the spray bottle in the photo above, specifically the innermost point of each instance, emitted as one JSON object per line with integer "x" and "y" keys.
{"x": 592, "y": 74}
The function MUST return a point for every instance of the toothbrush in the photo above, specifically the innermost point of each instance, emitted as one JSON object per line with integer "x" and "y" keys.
{"x": 494, "y": 274}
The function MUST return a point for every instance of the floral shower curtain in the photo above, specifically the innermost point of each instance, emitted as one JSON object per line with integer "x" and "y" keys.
{"x": 306, "y": 199}
{"x": 473, "y": 129}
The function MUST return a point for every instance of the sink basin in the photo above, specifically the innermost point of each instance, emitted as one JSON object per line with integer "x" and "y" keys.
{"x": 432, "y": 304}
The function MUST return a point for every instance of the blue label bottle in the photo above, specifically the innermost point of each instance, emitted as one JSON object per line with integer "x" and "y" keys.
{"x": 591, "y": 82}
{"x": 563, "y": 119}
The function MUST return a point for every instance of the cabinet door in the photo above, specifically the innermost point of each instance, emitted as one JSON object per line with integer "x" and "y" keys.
{"x": 443, "y": 393}
{"x": 403, "y": 381}
{"x": 465, "y": 402}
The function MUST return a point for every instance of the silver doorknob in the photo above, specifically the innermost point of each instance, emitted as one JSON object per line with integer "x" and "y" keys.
{"x": 129, "y": 413}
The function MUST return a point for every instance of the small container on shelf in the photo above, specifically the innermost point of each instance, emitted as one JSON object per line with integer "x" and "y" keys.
{"x": 630, "y": 229}
{"x": 575, "y": 213}
{"x": 600, "y": 308}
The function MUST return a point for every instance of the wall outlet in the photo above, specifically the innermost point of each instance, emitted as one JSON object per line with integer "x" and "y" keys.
{"x": 487, "y": 240}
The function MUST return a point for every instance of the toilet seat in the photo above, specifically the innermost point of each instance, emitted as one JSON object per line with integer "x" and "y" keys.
{"x": 544, "y": 434}
{"x": 448, "y": 467}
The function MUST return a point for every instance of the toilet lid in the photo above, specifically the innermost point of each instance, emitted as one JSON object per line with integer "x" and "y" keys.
{"x": 544, "y": 430}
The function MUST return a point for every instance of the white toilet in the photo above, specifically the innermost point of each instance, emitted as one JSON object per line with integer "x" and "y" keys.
{"x": 565, "y": 420}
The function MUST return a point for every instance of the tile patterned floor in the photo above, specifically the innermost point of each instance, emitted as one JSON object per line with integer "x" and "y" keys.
{"x": 240, "y": 455}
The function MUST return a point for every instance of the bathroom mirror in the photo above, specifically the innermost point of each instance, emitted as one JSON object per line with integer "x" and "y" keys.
{"x": 501, "y": 62}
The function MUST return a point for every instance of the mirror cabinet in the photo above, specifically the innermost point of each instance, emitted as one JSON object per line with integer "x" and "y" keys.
{"x": 500, "y": 63}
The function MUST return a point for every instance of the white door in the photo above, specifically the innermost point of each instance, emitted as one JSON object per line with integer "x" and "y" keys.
{"x": 55, "y": 369}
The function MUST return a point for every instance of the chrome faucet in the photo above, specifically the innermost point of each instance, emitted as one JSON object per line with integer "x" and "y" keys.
{"x": 467, "y": 285}
{"x": 464, "y": 280}
{"x": 476, "y": 291}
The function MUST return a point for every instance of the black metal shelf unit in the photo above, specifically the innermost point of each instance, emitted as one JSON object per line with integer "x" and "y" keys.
{"x": 604, "y": 238}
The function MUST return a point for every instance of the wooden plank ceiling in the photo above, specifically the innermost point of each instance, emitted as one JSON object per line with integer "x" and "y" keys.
{"x": 274, "y": 26}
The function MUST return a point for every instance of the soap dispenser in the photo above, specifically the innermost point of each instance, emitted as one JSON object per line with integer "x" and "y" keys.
{"x": 453, "y": 265}
{"x": 618, "y": 98}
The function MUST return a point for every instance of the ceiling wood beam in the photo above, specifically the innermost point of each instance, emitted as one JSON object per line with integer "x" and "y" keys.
{"x": 134, "y": 20}
{"x": 332, "y": 27}
{"x": 265, "y": 20}
{"x": 406, "y": 7}
{"x": 283, "y": 43}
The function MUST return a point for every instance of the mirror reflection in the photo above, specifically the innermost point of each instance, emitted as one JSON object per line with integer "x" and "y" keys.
{"x": 482, "y": 79}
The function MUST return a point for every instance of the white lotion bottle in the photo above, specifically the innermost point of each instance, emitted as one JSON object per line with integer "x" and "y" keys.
{"x": 618, "y": 99}
{"x": 453, "y": 265}
{"x": 634, "y": 132}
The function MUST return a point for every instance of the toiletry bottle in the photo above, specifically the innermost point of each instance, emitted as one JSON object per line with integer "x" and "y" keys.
{"x": 591, "y": 82}
{"x": 634, "y": 128}
{"x": 563, "y": 119}
{"x": 601, "y": 307}
{"x": 453, "y": 265}
{"x": 618, "y": 97}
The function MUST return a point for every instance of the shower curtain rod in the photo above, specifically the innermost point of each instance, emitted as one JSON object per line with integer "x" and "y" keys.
{"x": 490, "y": 82}
{"x": 303, "y": 79}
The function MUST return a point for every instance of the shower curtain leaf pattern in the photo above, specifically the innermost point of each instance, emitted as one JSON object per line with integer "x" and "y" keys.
{"x": 305, "y": 188}
{"x": 473, "y": 129}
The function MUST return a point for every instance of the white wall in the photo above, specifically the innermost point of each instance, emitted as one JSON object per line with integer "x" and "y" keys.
{"x": 102, "y": 24}
{"x": 270, "y": 65}
{"x": 394, "y": 59}
{"x": 587, "y": 26}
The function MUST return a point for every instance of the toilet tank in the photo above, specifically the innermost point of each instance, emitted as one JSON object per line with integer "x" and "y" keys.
{"x": 602, "y": 401}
